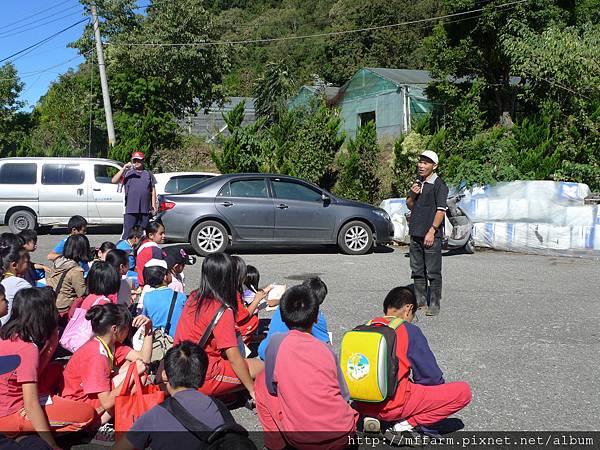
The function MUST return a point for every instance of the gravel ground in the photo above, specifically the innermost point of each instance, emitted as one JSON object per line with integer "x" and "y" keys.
{"x": 522, "y": 330}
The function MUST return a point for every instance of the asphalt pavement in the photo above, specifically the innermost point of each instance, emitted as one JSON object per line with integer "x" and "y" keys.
{"x": 522, "y": 330}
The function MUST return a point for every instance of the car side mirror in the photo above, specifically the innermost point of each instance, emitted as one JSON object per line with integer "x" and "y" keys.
{"x": 326, "y": 199}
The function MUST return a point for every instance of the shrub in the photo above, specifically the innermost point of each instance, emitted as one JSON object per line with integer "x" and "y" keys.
{"x": 358, "y": 167}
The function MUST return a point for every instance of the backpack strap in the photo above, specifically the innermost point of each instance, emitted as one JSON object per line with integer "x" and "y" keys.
{"x": 61, "y": 280}
{"x": 199, "y": 429}
{"x": 211, "y": 326}
{"x": 387, "y": 321}
{"x": 271, "y": 359}
{"x": 171, "y": 308}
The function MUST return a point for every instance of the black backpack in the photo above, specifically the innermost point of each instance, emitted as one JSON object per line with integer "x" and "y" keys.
{"x": 230, "y": 435}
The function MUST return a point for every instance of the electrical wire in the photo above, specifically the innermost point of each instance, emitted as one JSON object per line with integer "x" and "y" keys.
{"x": 308, "y": 36}
{"x": 41, "y": 42}
{"x": 22, "y": 29}
{"x": 33, "y": 15}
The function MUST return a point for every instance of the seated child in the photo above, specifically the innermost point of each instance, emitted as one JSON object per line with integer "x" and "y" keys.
{"x": 246, "y": 321}
{"x": 185, "y": 369}
{"x": 3, "y": 302}
{"x": 76, "y": 225}
{"x": 300, "y": 370}
{"x": 66, "y": 276}
{"x": 119, "y": 260}
{"x": 426, "y": 399}
{"x": 94, "y": 374}
{"x": 102, "y": 251}
{"x": 149, "y": 249}
{"x": 31, "y": 334}
{"x": 228, "y": 371}
{"x": 103, "y": 283}
{"x": 157, "y": 303}
{"x": 136, "y": 234}
{"x": 15, "y": 263}
{"x": 36, "y": 271}
{"x": 177, "y": 259}
{"x": 318, "y": 330}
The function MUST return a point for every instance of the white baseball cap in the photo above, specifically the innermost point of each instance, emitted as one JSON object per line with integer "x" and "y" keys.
{"x": 155, "y": 262}
{"x": 431, "y": 155}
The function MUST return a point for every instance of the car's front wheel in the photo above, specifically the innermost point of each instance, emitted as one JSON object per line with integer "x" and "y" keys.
{"x": 209, "y": 237}
{"x": 355, "y": 238}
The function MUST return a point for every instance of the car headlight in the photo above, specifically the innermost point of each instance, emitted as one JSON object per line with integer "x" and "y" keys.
{"x": 382, "y": 213}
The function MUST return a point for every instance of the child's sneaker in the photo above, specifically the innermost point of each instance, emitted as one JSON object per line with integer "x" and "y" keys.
{"x": 105, "y": 436}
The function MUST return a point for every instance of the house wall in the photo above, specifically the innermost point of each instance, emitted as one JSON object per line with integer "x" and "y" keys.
{"x": 366, "y": 92}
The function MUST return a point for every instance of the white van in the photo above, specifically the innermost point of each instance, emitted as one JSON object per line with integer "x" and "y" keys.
{"x": 48, "y": 191}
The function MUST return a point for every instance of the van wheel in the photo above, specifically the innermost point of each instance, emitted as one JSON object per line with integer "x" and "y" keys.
{"x": 209, "y": 237}
{"x": 355, "y": 238}
{"x": 21, "y": 220}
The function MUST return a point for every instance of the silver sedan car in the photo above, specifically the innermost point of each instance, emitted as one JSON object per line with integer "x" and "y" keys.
{"x": 253, "y": 208}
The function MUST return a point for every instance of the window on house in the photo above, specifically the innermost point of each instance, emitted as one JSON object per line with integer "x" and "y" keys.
{"x": 366, "y": 117}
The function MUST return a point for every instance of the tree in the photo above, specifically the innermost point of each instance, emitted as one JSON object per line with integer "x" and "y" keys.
{"x": 317, "y": 141}
{"x": 358, "y": 167}
{"x": 62, "y": 117}
{"x": 395, "y": 47}
{"x": 471, "y": 48}
{"x": 153, "y": 85}
{"x": 14, "y": 125}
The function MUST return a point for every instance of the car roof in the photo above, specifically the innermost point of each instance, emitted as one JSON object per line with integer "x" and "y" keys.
{"x": 59, "y": 159}
{"x": 172, "y": 174}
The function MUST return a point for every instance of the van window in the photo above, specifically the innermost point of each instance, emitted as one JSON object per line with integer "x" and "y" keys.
{"x": 18, "y": 173}
{"x": 103, "y": 174}
{"x": 62, "y": 174}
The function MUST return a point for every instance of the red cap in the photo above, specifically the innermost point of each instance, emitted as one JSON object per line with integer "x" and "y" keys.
{"x": 137, "y": 155}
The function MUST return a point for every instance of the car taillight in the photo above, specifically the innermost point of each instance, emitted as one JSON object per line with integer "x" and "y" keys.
{"x": 165, "y": 206}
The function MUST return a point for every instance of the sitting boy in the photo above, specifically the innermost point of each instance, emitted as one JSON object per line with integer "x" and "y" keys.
{"x": 426, "y": 399}
{"x": 185, "y": 369}
{"x": 319, "y": 329}
{"x": 134, "y": 237}
{"x": 76, "y": 225}
{"x": 157, "y": 302}
{"x": 36, "y": 271}
{"x": 301, "y": 396}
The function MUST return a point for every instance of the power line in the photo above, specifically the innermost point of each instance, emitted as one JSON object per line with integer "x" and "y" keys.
{"x": 43, "y": 41}
{"x": 35, "y": 14}
{"x": 307, "y": 36}
{"x": 23, "y": 28}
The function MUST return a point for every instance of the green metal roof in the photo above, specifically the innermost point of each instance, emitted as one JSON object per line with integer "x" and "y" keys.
{"x": 402, "y": 77}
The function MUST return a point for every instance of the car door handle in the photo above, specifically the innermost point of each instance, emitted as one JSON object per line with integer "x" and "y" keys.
{"x": 227, "y": 204}
{"x": 79, "y": 191}
{"x": 282, "y": 206}
{"x": 97, "y": 189}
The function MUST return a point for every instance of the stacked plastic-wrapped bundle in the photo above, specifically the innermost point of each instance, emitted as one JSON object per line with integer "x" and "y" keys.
{"x": 542, "y": 217}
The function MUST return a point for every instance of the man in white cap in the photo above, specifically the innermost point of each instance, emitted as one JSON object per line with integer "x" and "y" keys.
{"x": 427, "y": 202}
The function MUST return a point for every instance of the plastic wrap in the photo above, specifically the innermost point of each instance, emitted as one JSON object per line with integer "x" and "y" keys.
{"x": 539, "y": 217}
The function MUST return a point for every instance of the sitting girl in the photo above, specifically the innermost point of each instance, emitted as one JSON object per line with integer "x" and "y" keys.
{"x": 66, "y": 275}
{"x": 228, "y": 371}
{"x": 103, "y": 283}
{"x": 149, "y": 249}
{"x": 94, "y": 374}
{"x": 31, "y": 335}
{"x": 118, "y": 259}
{"x": 15, "y": 263}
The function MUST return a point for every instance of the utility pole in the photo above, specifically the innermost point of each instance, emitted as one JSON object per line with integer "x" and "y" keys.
{"x": 103, "y": 81}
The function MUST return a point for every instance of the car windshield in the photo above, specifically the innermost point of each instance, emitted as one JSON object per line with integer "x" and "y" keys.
{"x": 194, "y": 187}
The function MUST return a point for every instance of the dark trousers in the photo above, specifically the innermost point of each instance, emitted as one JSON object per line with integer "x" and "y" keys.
{"x": 426, "y": 263}
{"x": 131, "y": 220}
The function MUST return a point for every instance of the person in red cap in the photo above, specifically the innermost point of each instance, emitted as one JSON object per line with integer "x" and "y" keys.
{"x": 140, "y": 193}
